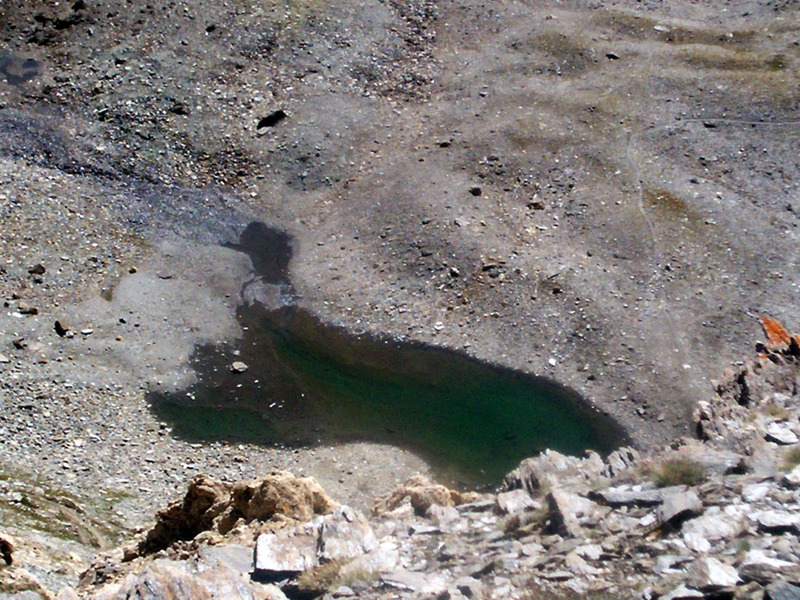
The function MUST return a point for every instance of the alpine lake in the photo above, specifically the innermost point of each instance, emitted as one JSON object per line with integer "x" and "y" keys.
{"x": 308, "y": 383}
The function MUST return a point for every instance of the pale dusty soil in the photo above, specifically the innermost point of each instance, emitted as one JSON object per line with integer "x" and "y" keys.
{"x": 638, "y": 206}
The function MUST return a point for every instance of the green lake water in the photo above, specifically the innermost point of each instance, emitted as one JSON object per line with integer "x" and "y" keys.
{"x": 310, "y": 383}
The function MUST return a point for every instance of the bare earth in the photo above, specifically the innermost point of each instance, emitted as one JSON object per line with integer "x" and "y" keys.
{"x": 598, "y": 192}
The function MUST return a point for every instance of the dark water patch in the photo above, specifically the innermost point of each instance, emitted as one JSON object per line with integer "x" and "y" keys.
{"x": 309, "y": 384}
{"x": 16, "y": 70}
{"x": 269, "y": 250}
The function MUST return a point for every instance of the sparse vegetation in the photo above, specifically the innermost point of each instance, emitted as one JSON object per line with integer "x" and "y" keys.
{"x": 58, "y": 512}
{"x": 678, "y": 471}
{"x": 743, "y": 545}
{"x": 776, "y": 411}
{"x": 520, "y": 525}
{"x": 792, "y": 458}
{"x": 329, "y": 576}
{"x": 352, "y": 576}
{"x": 320, "y": 579}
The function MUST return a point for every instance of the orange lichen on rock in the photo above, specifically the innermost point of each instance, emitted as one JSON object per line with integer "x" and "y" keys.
{"x": 777, "y": 336}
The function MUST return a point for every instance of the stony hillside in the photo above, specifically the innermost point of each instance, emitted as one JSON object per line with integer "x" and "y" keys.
{"x": 602, "y": 193}
{"x": 714, "y": 517}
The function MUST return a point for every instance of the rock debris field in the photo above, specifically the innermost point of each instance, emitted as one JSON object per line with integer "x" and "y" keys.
{"x": 600, "y": 193}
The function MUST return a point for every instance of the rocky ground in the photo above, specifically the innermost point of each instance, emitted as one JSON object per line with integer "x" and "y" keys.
{"x": 714, "y": 517}
{"x": 601, "y": 193}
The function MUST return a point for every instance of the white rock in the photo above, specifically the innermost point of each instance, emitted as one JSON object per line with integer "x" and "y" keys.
{"x": 571, "y": 512}
{"x": 470, "y": 587}
{"x": 624, "y": 496}
{"x": 345, "y": 533}
{"x": 405, "y": 580}
{"x": 670, "y": 563}
{"x": 590, "y": 551}
{"x": 792, "y": 478}
{"x": 4, "y": 359}
{"x": 382, "y": 559}
{"x": 443, "y": 516}
{"x": 781, "y": 433}
{"x": 233, "y": 556}
{"x": 775, "y": 520}
{"x": 708, "y": 573}
{"x": 696, "y": 543}
{"x": 781, "y": 399}
{"x": 621, "y": 460}
{"x": 716, "y": 524}
{"x": 577, "y": 565}
{"x": 515, "y": 501}
{"x": 284, "y": 553}
{"x": 272, "y": 592}
{"x": 678, "y": 506}
{"x": 682, "y": 593}
{"x": 238, "y": 367}
{"x": 761, "y": 558}
{"x": 755, "y": 491}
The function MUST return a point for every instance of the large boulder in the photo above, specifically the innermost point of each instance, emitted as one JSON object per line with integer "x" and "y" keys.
{"x": 678, "y": 507}
{"x": 551, "y": 469}
{"x": 340, "y": 536}
{"x": 281, "y": 493}
{"x": 204, "y": 502}
{"x": 215, "y": 506}
{"x": 571, "y": 513}
{"x": 711, "y": 575}
{"x": 179, "y": 580}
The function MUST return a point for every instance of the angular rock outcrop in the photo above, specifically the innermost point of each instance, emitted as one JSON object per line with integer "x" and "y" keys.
{"x": 340, "y": 536}
{"x": 182, "y": 580}
{"x": 678, "y": 507}
{"x": 551, "y": 469}
{"x": 423, "y": 493}
{"x": 214, "y": 506}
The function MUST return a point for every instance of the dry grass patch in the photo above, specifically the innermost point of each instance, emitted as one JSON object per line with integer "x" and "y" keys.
{"x": 678, "y": 471}
{"x": 792, "y": 458}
